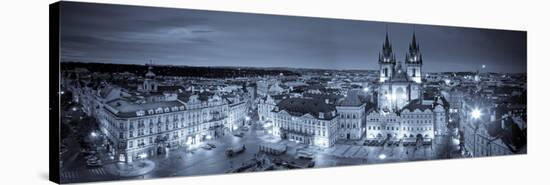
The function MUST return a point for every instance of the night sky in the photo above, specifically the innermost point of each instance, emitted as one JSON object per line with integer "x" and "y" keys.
{"x": 135, "y": 35}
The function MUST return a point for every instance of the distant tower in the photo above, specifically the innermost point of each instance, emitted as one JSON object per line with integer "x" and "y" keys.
{"x": 386, "y": 60}
{"x": 413, "y": 61}
{"x": 150, "y": 84}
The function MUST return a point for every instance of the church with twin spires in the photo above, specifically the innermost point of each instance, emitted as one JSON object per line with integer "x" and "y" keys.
{"x": 399, "y": 83}
{"x": 402, "y": 113}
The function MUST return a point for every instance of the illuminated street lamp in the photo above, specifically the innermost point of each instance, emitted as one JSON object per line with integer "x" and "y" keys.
{"x": 247, "y": 118}
{"x": 476, "y": 113}
{"x": 382, "y": 156}
{"x": 366, "y": 89}
{"x": 93, "y": 134}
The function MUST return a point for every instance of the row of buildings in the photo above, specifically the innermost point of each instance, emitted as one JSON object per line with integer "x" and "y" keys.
{"x": 146, "y": 121}
{"x": 392, "y": 108}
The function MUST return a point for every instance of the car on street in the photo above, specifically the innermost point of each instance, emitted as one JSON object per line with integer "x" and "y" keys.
{"x": 211, "y": 145}
{"x": 239, "y": 134}
{"x": 206, "y": 147}
{"x": 235, "y": 150}
{"x": 94, "y": 163}
{"x": 91, "y": 157}
{"x": 88, "y": 151}
{"x": 302, "y": 154}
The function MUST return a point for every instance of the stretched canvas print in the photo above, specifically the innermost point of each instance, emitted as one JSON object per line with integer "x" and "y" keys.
{"x": 145, "y": 92}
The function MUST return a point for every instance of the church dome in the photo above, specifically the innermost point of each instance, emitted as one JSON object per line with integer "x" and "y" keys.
{"x": 150, "y": 73}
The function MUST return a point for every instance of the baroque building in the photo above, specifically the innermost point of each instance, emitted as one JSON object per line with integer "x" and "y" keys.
{"x": 309, "y": 121}
{"x": 138, "y": 126}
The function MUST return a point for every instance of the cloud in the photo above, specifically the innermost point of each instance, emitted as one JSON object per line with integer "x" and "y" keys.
{"x": 131, "y": 34}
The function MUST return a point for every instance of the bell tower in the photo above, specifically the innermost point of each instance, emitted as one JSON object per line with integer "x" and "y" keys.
{"x": 413, "y": 61}
{"x": 149, "y": 83}
{"x": 386, "y": 60}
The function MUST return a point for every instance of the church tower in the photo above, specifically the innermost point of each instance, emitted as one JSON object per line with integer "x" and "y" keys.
{"x": 386, "y": 60}
{"x": 149, "y": 83}
{"x": 413, "y": 61}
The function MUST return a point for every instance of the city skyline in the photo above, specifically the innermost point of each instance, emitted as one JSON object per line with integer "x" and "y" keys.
{"x": 207, "y": 38}
{"x": 173, "y": 92}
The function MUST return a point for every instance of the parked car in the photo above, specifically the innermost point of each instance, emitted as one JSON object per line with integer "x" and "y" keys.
{"x": 239, "y": 134}
{"x": 302, "y": 154}
{"x": 94, "y": 163}
{"x": 91, "y": 157}
{"x": 88, "y": 151}
{"x": 235, "y": 150}
{"x": 211, "y": 145}
{"x": 206, "y": 147}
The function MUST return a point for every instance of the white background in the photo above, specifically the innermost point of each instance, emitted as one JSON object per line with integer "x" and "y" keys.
{"x": 24, "y": 95}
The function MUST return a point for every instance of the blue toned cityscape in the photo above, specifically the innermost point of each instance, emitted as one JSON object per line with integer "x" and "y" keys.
{"x": 186, "y": 94}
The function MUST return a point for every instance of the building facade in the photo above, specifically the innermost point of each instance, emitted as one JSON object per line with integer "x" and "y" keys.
{"x": 351, "y": 117}
{"x": 398, "y": 85}
{"x": 402, "y": 114}
{"x": 148, "y": 129}
{"x": 306, "y": 120}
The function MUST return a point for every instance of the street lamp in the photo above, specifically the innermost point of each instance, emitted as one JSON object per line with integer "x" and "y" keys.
{"x": 93, "y": 134}
{"x": 382, "y": 156}
{"x": 476, "y": 113}
{"x": 366, "y": 89}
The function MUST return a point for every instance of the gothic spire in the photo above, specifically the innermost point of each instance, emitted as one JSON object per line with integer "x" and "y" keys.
{"x": 414, "y": 55}
{"x": 386, "y": 56}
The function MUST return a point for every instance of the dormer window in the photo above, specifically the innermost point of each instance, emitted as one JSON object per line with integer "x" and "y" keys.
{"x": 151, "y": 111}
{"x": 321, "y": 115}
{"x": 140, "y": 113}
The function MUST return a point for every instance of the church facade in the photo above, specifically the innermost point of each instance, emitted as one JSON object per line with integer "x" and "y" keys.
{"x": 401, "y": 112}
{"x": 399, "y": 84}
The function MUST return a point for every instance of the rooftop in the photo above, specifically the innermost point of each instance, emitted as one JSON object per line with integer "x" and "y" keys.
{"x": 302, "y": 106}
{"x": 126, "y": 109}
{"x": 351, "y": 100}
